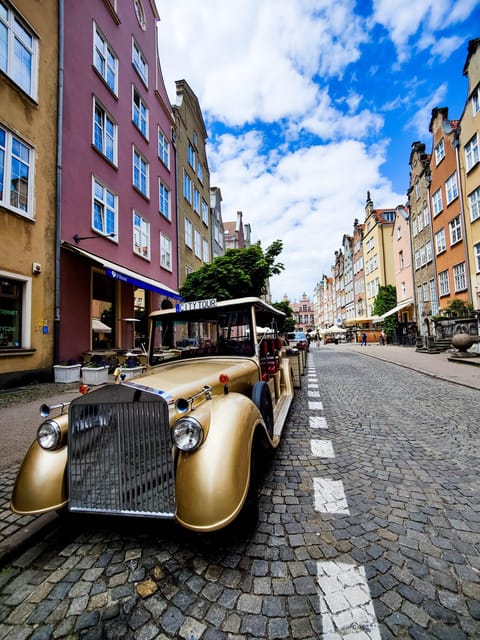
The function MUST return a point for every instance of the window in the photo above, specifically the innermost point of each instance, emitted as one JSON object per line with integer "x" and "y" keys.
{"x": 16, "y": 174}
{"x": 426, "y": 217}
{"x": 420, "y": 223}
{"x": 459, "y": 279}
{"x": 164, "y": 201}
{"x": 165, "y": 252}
{"x": 104, "y": 209}
{"x": 476, "y": 102}
{"x": 188, "y": 233}
{"x": 429, "y": 251}
{"x": 196, "y": 200}
{"x": 200, "y": 172}
{"x": 18, "y": 51}
{"x": 474, "y": 204}
{"x": 206, "y": 251}
{"x": 437, "y": 202}
{"x": 417, "y": 190}
{"x": 414, "y": 227}
{"x": 140, "y": 173}
{"x": 140, "y": 63}
{"x": 477, "y": 257}
{"x": 198, "y": 243}
{"x": 425, "y": 292}
{"x": 471, "y": 153}
{"x": 439, "y": 152}
{"x": 455, "y": 230}
{"x": 433, "y": 297}
{"x": 444, "y": 283}
{"x": 440, "y": 242}
{"x": 451, "y": 189}
{"x": 140, "y": 13}
{"x": 105, "y": 61}
{"x": 187, "y": 187}
{"x": 163, "y": 149}
{"x": 417, "y": 259}
{"x": 423, "y": 255}
{"x": 139, "y": 113}
{"x": 104, "y": 133}
{"x": 205, "y": 211}
{"x": 14, "y": 299}
{"x": 191, "y": 156}
{"x": 401, "y": 259}
{"x": 141, "y": 236}
{"x": 399, "y": 232}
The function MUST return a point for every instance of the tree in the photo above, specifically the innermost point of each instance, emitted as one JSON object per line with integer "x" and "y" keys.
{"x": 385, "y": 300}
{"x": 238, "y": 273}
{"x": 288, "y": 323}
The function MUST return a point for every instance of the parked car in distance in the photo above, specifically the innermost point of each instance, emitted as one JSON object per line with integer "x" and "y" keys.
{"x": 181, "y": 441}
{"x": 298, "y": 339}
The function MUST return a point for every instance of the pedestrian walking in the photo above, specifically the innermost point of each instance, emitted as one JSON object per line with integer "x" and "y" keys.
{"x": 382, "y": 338}
{"x": 364, "y": 339}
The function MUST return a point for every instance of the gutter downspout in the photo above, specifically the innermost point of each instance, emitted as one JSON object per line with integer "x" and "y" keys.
{"x": 58, "y": 208}
{"x": 456, "y": 144}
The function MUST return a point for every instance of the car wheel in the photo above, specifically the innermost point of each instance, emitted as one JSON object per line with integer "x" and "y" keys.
{"x": 247, "y": 519}
{"x": 262, "y": 399}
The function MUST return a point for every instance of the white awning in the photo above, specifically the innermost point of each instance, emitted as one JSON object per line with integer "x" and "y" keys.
{"x": 100, "y": 327}
{"x": 399, "y": 307}
{"x": 126, "y": 275}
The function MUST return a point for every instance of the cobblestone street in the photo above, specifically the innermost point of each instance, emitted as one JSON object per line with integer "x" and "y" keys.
{"x": 369, "y": 528}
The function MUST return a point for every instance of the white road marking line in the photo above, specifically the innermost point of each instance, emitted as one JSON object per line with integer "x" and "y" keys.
{"x": 312, "y": 406}
{"x": 329, "y": 496}
{"x": 312, "y": 394}
{"x": 318, "y": 422}
{"x": 322, "y": 448}
{"x": 346, "y": 605}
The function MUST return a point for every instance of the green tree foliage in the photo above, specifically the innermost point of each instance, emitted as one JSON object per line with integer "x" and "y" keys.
{"x": 386, "y": 299}
{"x": 288, "y": 323}
{"x": 238, "y": 273}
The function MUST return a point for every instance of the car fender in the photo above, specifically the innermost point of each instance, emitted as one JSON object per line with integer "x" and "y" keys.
{"x": 212, "y": 482}
{"x": 41, "y": 483}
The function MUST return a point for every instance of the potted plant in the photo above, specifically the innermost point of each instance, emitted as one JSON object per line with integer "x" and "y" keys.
{"x": 67, "y": 371}
{"x": 95, "y": 373}
{"x": 131, "y": 367}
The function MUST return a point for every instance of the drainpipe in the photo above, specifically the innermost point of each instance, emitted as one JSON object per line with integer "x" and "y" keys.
{"x": 58, "y": 207}
{"x": 456, "y": 144}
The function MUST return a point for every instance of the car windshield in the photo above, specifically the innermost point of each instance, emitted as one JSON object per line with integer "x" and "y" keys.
{"x": 207, "y": 333}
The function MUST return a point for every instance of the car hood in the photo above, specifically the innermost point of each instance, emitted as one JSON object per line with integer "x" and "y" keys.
{"x": 185, "y": 378}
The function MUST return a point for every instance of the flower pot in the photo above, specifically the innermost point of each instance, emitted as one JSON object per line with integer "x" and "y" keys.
{"x": 130, "y": 372}
{"x": 67, "y": 372}
{"x": 95, "y": 375}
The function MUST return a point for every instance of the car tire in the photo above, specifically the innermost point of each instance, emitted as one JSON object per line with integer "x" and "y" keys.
{"x": 262, "y": 399}
{"x": 247, "y": 519}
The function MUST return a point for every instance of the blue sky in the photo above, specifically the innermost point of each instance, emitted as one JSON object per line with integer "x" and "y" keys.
{"x": 309, "y": 104}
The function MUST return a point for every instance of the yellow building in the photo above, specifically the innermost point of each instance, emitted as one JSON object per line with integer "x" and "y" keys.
{"x": 28, "y": 139}
{"x": 377, "y": 251}
{"x": 469, "y": 160}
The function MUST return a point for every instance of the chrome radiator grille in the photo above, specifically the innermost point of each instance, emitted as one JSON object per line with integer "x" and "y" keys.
{"x": 120, "y": 456}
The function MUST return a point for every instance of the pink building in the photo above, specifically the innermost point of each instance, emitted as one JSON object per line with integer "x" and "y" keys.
{"x": 117, "y": 193}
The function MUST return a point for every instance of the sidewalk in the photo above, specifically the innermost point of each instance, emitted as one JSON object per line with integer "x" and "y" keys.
{"x": 20, "y": 417}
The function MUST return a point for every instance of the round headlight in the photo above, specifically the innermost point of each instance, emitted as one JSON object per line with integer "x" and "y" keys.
{"x": 49, "y": 435}
{"x": 187, "y": 434}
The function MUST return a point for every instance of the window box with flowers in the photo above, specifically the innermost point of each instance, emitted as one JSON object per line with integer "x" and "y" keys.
{"x": 67, "y": 371}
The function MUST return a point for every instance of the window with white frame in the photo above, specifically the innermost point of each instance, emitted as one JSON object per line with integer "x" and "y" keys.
{"x": 401, "y": 259}
{"x": 459, "y": 277}
{"x": 140, "y": 173}
{"x": 433, "y": 297}
{"x": 196, "y": 200}
{"x": 187, "y": 187}
{"x": 105, "y": 132}
{"x": 440, "y": 241}
{"x": 437, "y": 202}
{"x": 420, "y": 223}
{"x": 139, "y": 113}
{"x": 423, "y": 255}
{"x": 419, "y": 300}
{"x": 188, "y": 233}
{"x": 444, "y": 283}
{"x": 476, "y": 249}
{"x": 426, "y": 217}
{"x": 18, "y": 50}
{"x": 428, "y": 250}
{"x": 439, "y": 152}
{"x": 474, "y": 204}
{"x": 198, "y": 243}
{"x": 455, "y": 227}
{"x": 206, "y": 251}
{"x": 164, "y": 200}
{"x": 205, "y": 211}
{"x": 476, "y": 102}
{"x": 417, "y": 259}
{"x": 414, "y": 227}
{"x": 163, "y": 148}
{"x": 16, "y": 174}
{"x": 141, "y": 236}
{"x": 399, "y": 232}
{"x": 104, "y": 60}
{"x": 104, "y": 209}
{"x": 200, "y": 171}
{"x": 471, "y": 152}
{"x": 191, "y": 156}
{"x": 425, "y": 292}
{"x": 140, "y": 62}
{"x": 451, "y": 189}
{"x": 165, "y": 252}
{"x": 417, "y": 190}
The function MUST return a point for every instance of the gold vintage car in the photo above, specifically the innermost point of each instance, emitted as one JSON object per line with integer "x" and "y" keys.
{"x": 180, "y": 441}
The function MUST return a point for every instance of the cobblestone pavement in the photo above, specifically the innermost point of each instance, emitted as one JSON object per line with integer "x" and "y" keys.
{"x": 369, "y": 529}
